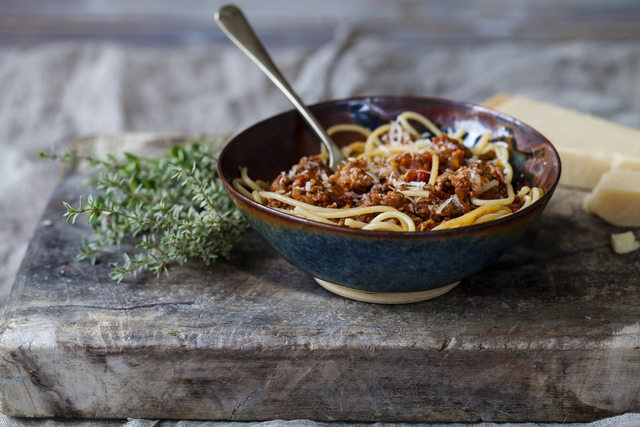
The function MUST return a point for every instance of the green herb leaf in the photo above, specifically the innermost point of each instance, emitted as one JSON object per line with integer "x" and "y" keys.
{"x": 175, "y": 205}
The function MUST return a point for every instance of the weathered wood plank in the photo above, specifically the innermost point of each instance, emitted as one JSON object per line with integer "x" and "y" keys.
{"x": 550, "y": 332}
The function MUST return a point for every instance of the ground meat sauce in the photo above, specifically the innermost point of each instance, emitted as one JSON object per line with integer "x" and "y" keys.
{"x": 359, "y": 184}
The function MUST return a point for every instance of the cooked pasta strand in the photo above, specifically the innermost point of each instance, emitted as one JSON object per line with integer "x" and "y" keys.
{"x": 482, "y": 142}
{"x": 404, "y": 118}
{"x": 507, "y": 201}
{"x": 459, "y": 134}
{"x": 373, "y": 139}
{"x": 354, "y": 224}
{"x": 307, "y": 214}
{"x": 383, "y": 226}
{"x": 416, "y": 193}
{"x": 237, "y": 184}
{"x": 489, "y": 185}
{"x": 407, "y": 223}
{"x": 348, "y": 128}
{"x": 248, "y": 181}
{"x": 434, "y": 169}
{"x": 468, "y": 217}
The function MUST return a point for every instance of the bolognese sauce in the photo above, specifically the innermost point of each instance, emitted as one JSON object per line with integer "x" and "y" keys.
{"x": 399, "y": 180}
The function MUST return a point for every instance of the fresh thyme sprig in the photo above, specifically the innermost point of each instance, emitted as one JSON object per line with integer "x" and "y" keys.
{"x": 175, "y": 205}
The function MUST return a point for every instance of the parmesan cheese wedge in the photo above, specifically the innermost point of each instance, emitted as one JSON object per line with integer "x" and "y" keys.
{"x": 616, "y": 198}
{"x": 588, "y": 145}
{"x": 624, "y": 243}
{"x": 596, "y": 154}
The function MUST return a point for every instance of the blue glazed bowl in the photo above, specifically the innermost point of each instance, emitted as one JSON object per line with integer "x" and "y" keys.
{"x": 382, "y": 266}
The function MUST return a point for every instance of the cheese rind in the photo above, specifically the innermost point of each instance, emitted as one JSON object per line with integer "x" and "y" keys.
{"x": 587, "y": 145}
{"x": 624, "y": 243}
{"x": 616, "y": 198}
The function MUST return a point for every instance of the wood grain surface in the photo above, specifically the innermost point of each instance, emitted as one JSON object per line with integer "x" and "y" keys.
{"x": 549, "y": 332}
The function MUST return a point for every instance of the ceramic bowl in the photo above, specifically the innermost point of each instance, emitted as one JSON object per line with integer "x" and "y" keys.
{"x": 379, "y": 266}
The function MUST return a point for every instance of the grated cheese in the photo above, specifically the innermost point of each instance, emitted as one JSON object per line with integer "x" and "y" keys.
{"x": 375, "y": 178}
{"x": 443, "y": 205}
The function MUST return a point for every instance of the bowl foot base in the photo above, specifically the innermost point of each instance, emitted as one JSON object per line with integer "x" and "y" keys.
{"x": 385, "y": 298}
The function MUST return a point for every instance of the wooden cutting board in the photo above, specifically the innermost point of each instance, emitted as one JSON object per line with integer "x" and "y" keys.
{"x": 549, "y": 332}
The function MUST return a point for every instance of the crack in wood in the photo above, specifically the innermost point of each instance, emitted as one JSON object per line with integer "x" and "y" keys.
{"x": 444, "y": 344}
{"x": 233, "y": 413}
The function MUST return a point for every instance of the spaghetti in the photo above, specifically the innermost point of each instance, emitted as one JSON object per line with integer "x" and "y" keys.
{"x": 399, "y": 179}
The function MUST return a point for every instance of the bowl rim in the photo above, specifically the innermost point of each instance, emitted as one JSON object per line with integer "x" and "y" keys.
{"x": 404, "y": 235}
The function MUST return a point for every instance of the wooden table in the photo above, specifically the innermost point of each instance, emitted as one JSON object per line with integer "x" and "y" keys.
{"x": 549, "y": 332}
